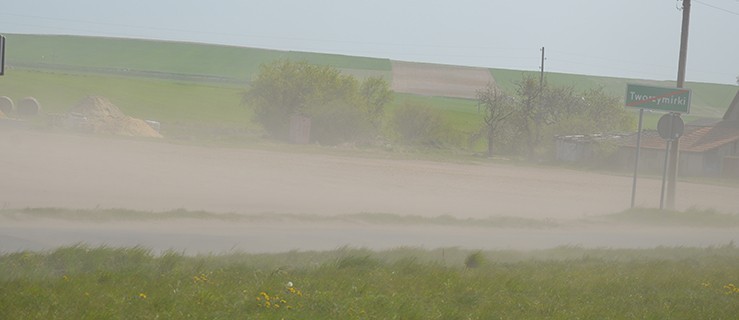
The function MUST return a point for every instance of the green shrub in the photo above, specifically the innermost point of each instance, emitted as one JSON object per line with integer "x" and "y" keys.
{"x": 337, "y": 122}
{"x": 420, "y": 125}
{"x": 474, "y": 260}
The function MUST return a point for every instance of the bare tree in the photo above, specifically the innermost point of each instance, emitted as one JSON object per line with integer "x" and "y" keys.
{"x": 531, "y": 116}
{"x": 497, "y": 107}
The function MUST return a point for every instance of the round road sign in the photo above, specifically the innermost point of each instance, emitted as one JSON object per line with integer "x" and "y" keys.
{"x": 670, "y": 126}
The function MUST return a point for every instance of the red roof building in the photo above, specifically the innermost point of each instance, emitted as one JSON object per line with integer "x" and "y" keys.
{"x": 711, "y": 150}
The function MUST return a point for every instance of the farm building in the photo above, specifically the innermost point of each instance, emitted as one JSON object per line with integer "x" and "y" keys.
{"x": 585, "y": 148}
{"x": 705, "y": 149}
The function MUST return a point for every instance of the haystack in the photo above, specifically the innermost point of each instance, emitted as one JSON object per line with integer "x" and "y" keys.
{"x": 103, "y": 117}
{"x": 6, "y": 105}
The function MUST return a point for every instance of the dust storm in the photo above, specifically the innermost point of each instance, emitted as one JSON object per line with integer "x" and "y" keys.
{"x": 66, "y": 170}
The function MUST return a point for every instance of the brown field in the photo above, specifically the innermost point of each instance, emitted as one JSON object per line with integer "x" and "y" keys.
{"x": 73, "y": 171}
{"x": 439, "y": 80}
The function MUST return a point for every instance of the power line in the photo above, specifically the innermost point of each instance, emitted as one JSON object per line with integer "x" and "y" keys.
{"x": 717, "y": 8}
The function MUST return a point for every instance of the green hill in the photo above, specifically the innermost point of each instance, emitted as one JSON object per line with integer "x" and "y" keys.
{"x": 186, "y": 83}
{"x": 163, "y": 59}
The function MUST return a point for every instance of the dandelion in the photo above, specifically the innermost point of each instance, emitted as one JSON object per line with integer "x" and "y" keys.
{"x": 142, "y": 296}
{"x": 295, "y": 291}
{"x": 276, "y": 301}
{"x": 731, "y": 289}
{"x": 200, "y": 278}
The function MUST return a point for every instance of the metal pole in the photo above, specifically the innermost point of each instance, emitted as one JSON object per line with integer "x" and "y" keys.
{"x": 675, "y": 151}
{"x": 541, "y": 75}
{"x": 636, "y": 160}
{"x": 664, "y": 176}
{"x": 683, "y": 44}
{"x": 2, "y": 55}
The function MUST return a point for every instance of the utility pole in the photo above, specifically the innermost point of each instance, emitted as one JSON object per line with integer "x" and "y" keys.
{"x": 675, "y": 146}
{"x": 541, "y": 75}
{"x": 2, "y": 55}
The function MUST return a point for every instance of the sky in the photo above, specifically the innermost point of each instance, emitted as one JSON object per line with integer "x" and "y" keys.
{"x": 629, "y": 38}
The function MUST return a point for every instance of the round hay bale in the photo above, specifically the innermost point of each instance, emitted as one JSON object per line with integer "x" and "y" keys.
{"x": 28, "y": 106}
{"x": 6, "y": 105}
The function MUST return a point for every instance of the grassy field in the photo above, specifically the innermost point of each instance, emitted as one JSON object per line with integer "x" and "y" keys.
{"x": 109, "y": 283}
{"x": 121, "y": 54}
{"x": 186, "y": 109}
{"x": 174, "y": 81}
{"x": 189, "y": 110}
{"x": 178, "y": 58}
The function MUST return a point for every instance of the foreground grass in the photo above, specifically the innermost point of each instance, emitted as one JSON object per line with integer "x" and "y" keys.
{"x": 106, "y": 283}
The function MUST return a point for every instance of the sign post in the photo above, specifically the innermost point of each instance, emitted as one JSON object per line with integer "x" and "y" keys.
{"x": 670, "y": 127}
{"x": 2, "y": 55}
{"x": 636, "y": 160}
{"x": 673, "y": 100}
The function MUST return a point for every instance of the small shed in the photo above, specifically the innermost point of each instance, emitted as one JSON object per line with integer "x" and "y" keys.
{"x": 299, "y": 129}
{"x": 582, "y": 148}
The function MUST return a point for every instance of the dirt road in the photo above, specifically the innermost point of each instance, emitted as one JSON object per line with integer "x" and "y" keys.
{"x": 71, "y": 171}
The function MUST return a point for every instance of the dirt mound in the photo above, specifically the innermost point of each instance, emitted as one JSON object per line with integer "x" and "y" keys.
{"x": 98, "y": 115}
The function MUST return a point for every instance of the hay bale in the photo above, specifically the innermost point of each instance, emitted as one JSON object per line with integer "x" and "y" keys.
{"x": 28, "y": 106}
{"x": 6, "y": 105}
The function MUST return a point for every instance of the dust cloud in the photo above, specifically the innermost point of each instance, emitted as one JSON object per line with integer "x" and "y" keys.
{"x": 42, "y": 169}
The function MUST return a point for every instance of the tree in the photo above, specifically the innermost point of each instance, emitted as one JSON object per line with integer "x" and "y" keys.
{"x": 497, "y": 107}
{"x": 281, "y": 89}
{"x": 421, "y": 125}
{"x": 530, "y": 115}
{"x": 339, "y": 107}
{"x": 594, "y": 111}
{"x": 543, "y": 111}
{"x": 376, "y": 93}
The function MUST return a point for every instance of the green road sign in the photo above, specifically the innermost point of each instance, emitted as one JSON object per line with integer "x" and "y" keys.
{"x": 658, "y": 98}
